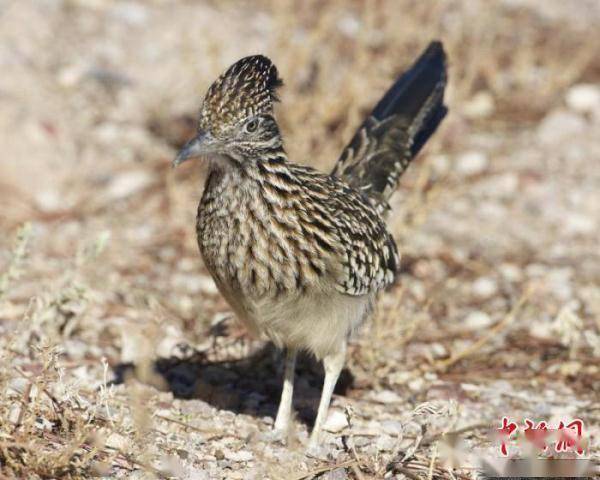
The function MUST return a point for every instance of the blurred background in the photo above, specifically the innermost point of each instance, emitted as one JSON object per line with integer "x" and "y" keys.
{"x": 497, "y": 311}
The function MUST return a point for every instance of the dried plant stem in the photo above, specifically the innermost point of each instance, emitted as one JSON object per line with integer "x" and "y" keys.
{"x": 17, "y": 256}
{"x": 500, "y": 326}
{"x": 327, "y": 468}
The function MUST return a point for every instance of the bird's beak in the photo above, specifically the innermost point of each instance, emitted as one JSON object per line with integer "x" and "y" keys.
{"x": 196, "y": 147}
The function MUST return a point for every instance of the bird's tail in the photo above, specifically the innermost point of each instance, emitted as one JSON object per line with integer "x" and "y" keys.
{"x": 398, "y": 127}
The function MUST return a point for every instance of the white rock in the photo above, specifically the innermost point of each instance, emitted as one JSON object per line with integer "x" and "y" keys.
{"x": 336, "y": 422}
{"x": 207, "y": 285}
{"x": 536, "y": 270}
{"x": 50, "y": 201}
{"x": 187, "y": 264}
{"x": 359, "y": 441}
{"x": 337, "y": 474}
{"x": 481, "y": 105}
{"x": 349, "y": 25}
{"x": 400, "y": 378}
{"x": 417, "y": 289}
{"x": 18, "y": 385}
{"x": 438, "y": 350}
{"x": 192, "y": 284}
{"x": 505, "y": 185}
{"x": 583, "y": 98}
{"x": 511, "y": 272}
{"x": 130, "y": 12}
{"x": 71, "y": 75}
{"x": 476, "y": 320}
{"x": 485, "y": 287}
{"x": 560, "y": 283}
{"x": 392, "y": 427}
{"x": 579, "y": 224}
{"x": 239, "y": 456}
{"x": 386, "y": 396}
{"x": 129, "y": 183}
{"x": 192, "y": 473}
{"x": 108, "y": 132}
{"x": 117, "y": 441}
{"x": 471, "y": 163}
{"x": 14, "y": 413}
{"x": 386, "y": 443}
{"x": 417, "y": 384}
{"x": 559, "y": 126}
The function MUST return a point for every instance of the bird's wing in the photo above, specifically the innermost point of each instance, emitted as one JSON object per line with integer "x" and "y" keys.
{"x": 348, "y": 229}
{"x": 370, "y": 259}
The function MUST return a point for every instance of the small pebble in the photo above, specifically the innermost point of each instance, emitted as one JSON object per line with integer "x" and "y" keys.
{"x": 360, "y": 442}
{"x": 50, "y": 200}
{"x": 392, "y": 427}
{"x": 336, "y": 422}
{"x": 416, "y": 385}
{"x": 471, "y": 163}
{"x": 438, "y": 350}
{"x": 386, "y": 443}
{"x": 485, "y": 287}
{"x": 481, "y": 105}
{"x": 477, "y": 320}
{"x": 239, "y": 456}
{"x": 511, "y": 272}
{"x": 135, "y": 14}
{"x": 579, "y": 224}
{"x": 118, "y": 442}
{"x": 560, "y": 126}
{"x": 386, "y": 396}
{"x": 14, "y": 413}
{"x": 583, "y": 98}
{"x": 337, "y": 474}
{"x": 129, "y": 183}
{"x": 18, "y": 385}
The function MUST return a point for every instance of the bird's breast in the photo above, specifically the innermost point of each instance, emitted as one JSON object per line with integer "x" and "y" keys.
{"x": 254, "y": 246}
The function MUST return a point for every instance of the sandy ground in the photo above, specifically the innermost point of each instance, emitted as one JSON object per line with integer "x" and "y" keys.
{"x": 121, "y": 360}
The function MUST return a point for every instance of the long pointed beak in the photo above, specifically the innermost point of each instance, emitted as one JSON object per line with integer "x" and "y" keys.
{"x": 196, "y": 147}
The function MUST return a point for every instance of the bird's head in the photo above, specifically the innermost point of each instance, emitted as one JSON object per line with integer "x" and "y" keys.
{"x": 236, "y": 118}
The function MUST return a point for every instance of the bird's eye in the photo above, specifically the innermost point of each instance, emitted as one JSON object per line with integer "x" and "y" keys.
{"x": 251, "y": 126}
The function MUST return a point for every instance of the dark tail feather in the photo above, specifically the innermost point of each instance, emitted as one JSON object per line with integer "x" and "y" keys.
{"x": 398, "y": 127}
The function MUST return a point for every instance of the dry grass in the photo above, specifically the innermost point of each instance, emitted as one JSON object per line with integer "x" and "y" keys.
{"x": 100, "y": 278}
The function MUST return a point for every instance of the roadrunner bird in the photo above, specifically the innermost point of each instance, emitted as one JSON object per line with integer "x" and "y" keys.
{"x": 298, "y": 254}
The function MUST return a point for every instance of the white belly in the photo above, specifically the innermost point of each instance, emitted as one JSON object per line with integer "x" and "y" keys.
{"x": 317, "y": 323}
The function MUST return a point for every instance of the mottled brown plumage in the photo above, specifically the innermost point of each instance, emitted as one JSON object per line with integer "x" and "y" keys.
{"x": 300, "y": 255}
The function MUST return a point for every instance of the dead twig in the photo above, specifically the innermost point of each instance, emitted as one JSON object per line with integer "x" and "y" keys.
{"x": 407, "y": 472}
{"x": 327, "y": 468}
{"x": 468, "y": 428}
{"x": 432, "y": 462}
{"x": 504, "y": 323}
{"x": 188, "y": 426}
{"x": 357, "y": 472}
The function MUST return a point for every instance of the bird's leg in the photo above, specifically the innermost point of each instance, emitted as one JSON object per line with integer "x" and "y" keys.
{"x": 284, "y": 412}
{"x": 333, "y": 364}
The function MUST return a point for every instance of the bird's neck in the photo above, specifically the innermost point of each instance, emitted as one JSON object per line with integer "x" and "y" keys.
{"x": 262, "y": 185}
{"x": 251, "y": 168}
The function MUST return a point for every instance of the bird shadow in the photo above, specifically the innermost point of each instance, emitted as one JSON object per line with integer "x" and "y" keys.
{"x": 250, "y": 385}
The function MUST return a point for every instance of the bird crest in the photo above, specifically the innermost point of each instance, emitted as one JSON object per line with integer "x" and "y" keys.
{"x": 246, "y": 89}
